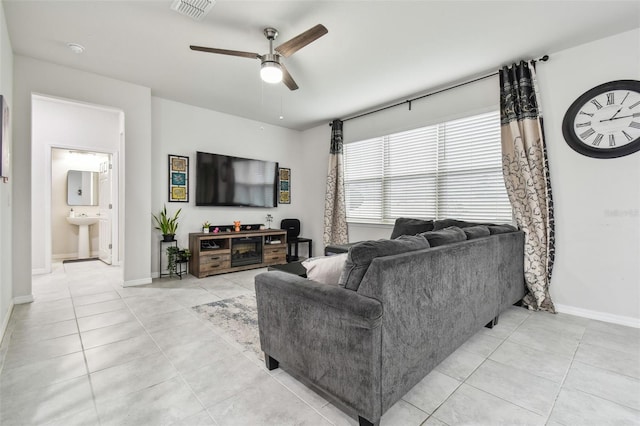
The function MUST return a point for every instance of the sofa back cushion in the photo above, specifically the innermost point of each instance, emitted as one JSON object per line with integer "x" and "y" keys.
{"x": 477, "y": 231}
{"x": 361, "y": 255}
{"x": 447, "y": 223}
{"x": 409, "y": 226}
{"x": 501, "y": 229}
{"x": 453, "y": 234}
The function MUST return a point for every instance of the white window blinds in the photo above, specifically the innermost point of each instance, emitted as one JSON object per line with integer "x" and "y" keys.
{"x": 451, "y": 169}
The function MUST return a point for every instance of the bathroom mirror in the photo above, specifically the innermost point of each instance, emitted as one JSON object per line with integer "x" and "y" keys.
{"x": 82, "y": 188}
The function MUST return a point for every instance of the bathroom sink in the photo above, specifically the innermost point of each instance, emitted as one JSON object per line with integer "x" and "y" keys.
{"x": 82, "y": 220}
{"x": 83, "y": 223}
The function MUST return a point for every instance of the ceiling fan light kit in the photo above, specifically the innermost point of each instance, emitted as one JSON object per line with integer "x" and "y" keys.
{"x": 272, "y": 70}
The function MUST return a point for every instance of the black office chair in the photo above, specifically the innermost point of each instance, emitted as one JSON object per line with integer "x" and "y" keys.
{"x": 292, "y": 226}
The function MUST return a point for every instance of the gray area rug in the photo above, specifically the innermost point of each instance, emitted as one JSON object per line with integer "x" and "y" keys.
{"x": 237, "y": 319}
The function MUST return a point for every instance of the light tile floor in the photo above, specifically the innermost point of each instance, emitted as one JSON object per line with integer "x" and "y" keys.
{"x": 88, "y": 351}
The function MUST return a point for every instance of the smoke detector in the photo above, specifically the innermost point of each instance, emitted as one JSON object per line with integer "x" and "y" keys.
{"x": 194, "y": 9}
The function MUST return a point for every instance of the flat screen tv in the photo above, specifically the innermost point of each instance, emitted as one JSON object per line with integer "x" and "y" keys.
{"x": 223, "y": 180}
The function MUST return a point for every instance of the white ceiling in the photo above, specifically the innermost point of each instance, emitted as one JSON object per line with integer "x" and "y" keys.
{"x": 375, "y": 52}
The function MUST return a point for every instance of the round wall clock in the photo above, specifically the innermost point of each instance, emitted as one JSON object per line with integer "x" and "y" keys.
{"x": 604, "y": 122}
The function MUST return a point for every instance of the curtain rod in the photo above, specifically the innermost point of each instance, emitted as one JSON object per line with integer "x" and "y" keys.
{"x": 544, "y": 58}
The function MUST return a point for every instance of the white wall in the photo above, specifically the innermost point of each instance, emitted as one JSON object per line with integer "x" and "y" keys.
{"x": 64, "y": 236}
{"x": 6, "y": 189}
{"x": 181, "y": 129}
{"x": 33, "y": 76}
{"x": 63, "y": 124}
{"x": 597, "y": 202}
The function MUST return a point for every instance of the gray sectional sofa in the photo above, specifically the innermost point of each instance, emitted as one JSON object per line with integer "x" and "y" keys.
{"x": 399, "y": 309}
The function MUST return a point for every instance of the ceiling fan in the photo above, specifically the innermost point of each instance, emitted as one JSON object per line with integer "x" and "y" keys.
{"x": 272, "y": 69}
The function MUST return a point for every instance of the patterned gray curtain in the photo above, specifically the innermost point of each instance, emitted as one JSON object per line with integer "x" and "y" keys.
{"x": 526, "y": 176}
{"x": 335, "y": 213}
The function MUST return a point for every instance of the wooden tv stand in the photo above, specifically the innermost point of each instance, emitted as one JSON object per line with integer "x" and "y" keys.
{"x": 219, "y": 253}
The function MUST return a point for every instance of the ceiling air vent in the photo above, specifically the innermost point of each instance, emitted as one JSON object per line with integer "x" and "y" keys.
{"x": 195, "y": 9}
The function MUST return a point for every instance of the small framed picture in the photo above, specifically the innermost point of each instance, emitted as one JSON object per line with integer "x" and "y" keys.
{"x": 178, "y": 179}
{"x": 285, "y": 186}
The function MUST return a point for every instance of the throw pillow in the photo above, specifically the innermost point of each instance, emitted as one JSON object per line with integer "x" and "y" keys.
{"x": 360, "y": 256}
{"x": 325, "y": 269}
{"x": 408, "y": 226}
{"x": 446, "y": 223}
{"x": 477, "y": 231}
{"x": 501, "y": 229}
{"x": 453, "y": 234}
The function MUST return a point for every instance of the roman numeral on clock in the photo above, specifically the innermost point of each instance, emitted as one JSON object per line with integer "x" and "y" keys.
{"x": 627, "y": 135}
{"x": 586, "y": 113}
{"x": 634, "y": 105}
{"x": 587, "y": 133}
{"x": 587, "y": 124}
{"x": 635, "y": 125}
{"x": 597, "y": 140}
{"x": 612, "y": 140}
{"x": 610, "y": 98}
{"x": 597, "y": 104}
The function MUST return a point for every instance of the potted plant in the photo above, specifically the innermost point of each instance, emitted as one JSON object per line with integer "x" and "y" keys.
{"x": 176, "y": 255}
{"x": 166, "y": 224}
{"x": 205, "y": 227}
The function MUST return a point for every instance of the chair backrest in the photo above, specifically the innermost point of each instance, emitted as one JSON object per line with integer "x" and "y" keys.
{"x": 292, "y": 226}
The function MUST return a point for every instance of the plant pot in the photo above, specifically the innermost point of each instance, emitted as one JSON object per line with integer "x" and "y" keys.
{"x": 168, "y": 237}
{"x": 205, "y": 230}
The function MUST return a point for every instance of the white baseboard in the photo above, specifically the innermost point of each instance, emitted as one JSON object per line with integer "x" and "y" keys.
{"x": 5, "y": 321}
{"x": 133, "y": 283}
{"x": 600, "y": 316}
{"x": 23, "y": 299}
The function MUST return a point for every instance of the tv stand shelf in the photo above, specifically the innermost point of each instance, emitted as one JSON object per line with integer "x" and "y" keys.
{"x": 219, "y": 253}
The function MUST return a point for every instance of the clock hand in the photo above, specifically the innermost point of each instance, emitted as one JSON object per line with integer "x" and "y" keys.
{"x": 617, "y": 112}
{"x": 617, "y": 118}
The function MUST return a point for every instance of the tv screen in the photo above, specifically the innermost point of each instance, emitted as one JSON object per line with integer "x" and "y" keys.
{"x": 223, "y": 180}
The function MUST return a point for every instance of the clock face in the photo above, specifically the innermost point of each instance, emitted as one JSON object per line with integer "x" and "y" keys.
{"x": 605, "y": 121}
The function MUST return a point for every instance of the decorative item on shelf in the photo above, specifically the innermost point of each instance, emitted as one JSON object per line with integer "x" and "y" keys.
{"x": 178, "y": 179}
{"x": 167, "y": 225}
{"x": 205, "y": 227}
{"x": 216, "y": 230}
{"x": 269, "y": 220}
{"x": 236, "y": 224}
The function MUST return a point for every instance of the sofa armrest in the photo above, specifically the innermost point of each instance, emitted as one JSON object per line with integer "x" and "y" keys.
{"x": 325, "y": 333}
{"x": 360, "y": 311}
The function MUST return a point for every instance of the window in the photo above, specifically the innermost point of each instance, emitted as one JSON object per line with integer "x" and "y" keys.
{"x": 451, "y": 169}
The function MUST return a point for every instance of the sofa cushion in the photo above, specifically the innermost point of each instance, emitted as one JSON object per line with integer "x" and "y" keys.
{"x": 501, "y": 229}
{"x": 360, "y": 256}
{"x": 477, "y": 231}
{"x": 453, "y": 234}
{"x": 409, "y": 226}
{"x": 446, "y": 223}
{"x": 325, "y": 269}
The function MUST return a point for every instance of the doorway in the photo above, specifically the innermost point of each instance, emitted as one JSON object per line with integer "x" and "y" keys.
{"x": 81, "y": 189}
{"x": 90, "y": 138}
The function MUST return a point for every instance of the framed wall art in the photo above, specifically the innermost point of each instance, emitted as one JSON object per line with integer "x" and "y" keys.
{"x": 285, "y": 186}
{"x": 4, "y": 139}
{"x": 178, "y": 179}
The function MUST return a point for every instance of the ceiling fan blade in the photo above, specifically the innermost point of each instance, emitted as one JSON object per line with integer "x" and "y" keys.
{"x": 288, "y": 48}
{"x": 287, "y": 79}
{"x": 226, "y": 52}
